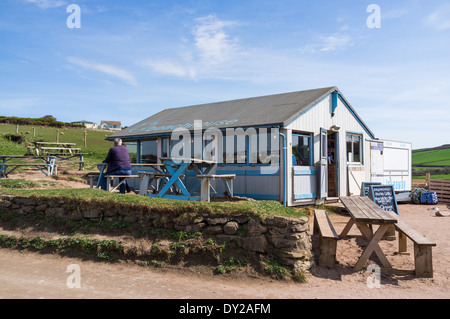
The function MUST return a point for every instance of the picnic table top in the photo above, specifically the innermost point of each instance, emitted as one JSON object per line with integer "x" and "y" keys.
{"x": 59, "y": 148}
{"x": 362, "y": 209}
{"x": 26, "y": 156}
{"x": 54, "y": 143}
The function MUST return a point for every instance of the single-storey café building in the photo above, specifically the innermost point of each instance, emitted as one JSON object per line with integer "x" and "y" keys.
{"x": 297, "y": 148}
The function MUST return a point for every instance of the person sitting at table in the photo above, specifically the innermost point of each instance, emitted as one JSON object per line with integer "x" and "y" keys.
{"x": 118, "y": 160}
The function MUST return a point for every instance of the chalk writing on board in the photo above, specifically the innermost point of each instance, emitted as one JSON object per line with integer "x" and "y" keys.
{"x": 384, "y": 196}
{"x": 366, "y": 188}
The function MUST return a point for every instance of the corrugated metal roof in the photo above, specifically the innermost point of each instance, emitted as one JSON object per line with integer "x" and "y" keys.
{"x": 271, "y": 110}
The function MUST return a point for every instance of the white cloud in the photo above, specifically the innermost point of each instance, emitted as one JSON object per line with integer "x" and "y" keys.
{"x": 335, "y": 42}
{"x": 167, "y": 67}
{"x": 210, "y": 49}
{"x": 440, "y": 19}
{"x": 105, "y": 68}
{"x": 212, "y": 42}
{"x": 45, "y": 4}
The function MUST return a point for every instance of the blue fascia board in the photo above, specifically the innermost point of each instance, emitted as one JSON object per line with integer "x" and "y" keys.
{"x": 305, "y": 196}
{"x": 260, "y": 196}
{"x": 302, "y": 171}
{"x": 334, "y": 101}
{"x": 249, "y": 172}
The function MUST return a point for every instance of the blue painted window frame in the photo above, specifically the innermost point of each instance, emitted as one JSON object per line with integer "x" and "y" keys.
{"x": 361, "y": 148}
{"x": 310, "y": 145}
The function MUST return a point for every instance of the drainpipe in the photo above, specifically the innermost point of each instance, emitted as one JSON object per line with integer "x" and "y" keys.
{"x": 284, "y": 167}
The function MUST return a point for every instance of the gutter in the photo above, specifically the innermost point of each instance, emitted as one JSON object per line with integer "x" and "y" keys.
{"x": 284, "y": 168}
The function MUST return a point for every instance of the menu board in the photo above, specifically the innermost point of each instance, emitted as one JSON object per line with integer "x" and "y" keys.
{"x": 365, "y": 188}
{"x": 384, "y": 196}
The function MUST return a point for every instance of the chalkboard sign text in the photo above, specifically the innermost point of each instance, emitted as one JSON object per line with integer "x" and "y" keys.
{"x": 384, "y": 196}
{"x": 365, "y": 188}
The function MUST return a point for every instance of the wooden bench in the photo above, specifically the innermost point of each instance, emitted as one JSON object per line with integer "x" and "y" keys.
{"x": 327, "y": 238}
{"x": 205, "y": 183}
{"x": 149, "y": 177}
{"x": 111, "y": 178}
{"x": 93, "y": 177}
{"x": 423, "y": 261}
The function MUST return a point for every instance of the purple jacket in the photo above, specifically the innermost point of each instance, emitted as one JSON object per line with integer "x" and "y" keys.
{"x": 118, "y": 158}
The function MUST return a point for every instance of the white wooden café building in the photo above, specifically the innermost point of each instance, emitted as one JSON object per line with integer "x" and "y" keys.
{"x": 297, "y": 148}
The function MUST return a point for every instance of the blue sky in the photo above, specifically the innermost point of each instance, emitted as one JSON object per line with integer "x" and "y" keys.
{"x": 131, "y": 59}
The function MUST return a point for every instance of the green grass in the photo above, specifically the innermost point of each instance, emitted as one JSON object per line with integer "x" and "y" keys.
{"x": 183, "y": 209}
{"x": 17, "y": 183}
{"x": 432, "y": 157}
{"x": 97, "y": 147}
{"x": 436, "y": 162}
{"x": 440, "y": 176}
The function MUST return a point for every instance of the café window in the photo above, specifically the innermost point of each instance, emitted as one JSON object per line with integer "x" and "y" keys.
{"x": 354, "y": 148}
{"x": 149, "y": 152}
{"x": 301, "y": 150}
{"x": 132, "y": 149}
{"x": 235, "y": 149}
{"x": 164, "y": 147}
{"x": 267, "y": 150}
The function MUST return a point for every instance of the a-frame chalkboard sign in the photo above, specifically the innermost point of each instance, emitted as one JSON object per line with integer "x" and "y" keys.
{"x": 365, "y": 188}
{"x": 384, "y": 196}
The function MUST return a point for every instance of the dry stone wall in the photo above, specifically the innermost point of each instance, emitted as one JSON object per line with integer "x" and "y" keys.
{"x": 286, "y": 238}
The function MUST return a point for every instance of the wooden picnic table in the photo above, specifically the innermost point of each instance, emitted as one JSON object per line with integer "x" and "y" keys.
{"x": 61, "y": 148}
{"x": 174, "y": 187}
{"x": 364, "y": 214}
{"x": 102, "y": 166}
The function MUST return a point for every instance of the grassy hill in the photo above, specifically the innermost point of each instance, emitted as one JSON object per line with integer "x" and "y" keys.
{"x": 435, "y": 161}
{"x": 97, "y": 147}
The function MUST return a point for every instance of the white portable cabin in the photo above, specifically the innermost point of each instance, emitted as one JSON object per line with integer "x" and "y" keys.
{"x": 324, "y": 146}
{"x": 391, "y": 164}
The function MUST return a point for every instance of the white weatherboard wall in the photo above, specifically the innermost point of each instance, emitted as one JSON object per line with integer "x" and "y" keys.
{"x": 320, "y": 117}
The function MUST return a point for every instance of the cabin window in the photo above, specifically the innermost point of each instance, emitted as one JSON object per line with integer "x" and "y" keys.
{"x": 301, "y": 150}
{"x": 149, "y": 152}
{"x": 235, "y": 148}
{"x": 354, "y": 148}
{"x": 132, "y": 149}
{"x": 268, "y": 150}
{"x": 164, "y": 147}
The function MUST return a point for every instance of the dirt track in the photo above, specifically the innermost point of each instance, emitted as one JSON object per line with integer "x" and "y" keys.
{"x": 34, "y": 275}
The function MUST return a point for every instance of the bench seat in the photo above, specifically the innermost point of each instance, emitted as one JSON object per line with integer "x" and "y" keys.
{"x": 423, "y": 260}
{"x": 327, "y": 238}
{"x": 230, "y": 176}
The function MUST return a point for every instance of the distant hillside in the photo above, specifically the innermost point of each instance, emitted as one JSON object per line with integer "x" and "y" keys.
{"x": 435, "y": 161}
{"x": 442, "y": 147}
